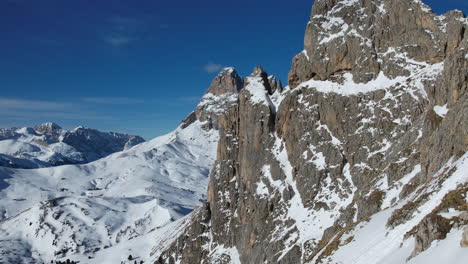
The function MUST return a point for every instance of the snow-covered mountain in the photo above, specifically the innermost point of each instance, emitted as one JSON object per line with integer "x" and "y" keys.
{"x": 361, "y": 159}
{"x": 49, "y": 145}
{"x": 83, "y": 212}
{"x": 57, "y": 212}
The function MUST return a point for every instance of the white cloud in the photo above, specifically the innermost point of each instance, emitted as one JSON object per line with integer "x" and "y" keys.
{"x": 212, "y": 67}
{"x": 22, "y": 104}
{"x": 25, "y": 109}
{"x": 121, "y": 31}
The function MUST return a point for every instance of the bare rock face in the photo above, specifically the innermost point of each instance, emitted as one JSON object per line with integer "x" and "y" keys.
{"x": 227, "y": 81}
{"x": 222, "y": 93}
{"x": 464, "y": 240}
{"x": 275, "y": 84}
{"x": 432, "y": 228}
{"x": 245, "y": 129}
{"x": 367, "y": 37}
{"x": 376, "y": 121}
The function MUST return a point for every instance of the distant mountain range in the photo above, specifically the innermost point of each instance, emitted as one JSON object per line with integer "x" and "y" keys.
{"x": 361, "y": 159}
{"x": 78, "y": 211}
{"x": 47, "y": 145}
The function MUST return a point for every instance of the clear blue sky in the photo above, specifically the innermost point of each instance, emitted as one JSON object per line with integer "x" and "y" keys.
{"x": 137, "y": 66}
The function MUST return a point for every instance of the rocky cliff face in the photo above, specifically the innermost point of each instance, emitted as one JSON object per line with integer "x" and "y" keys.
{"x": 222, "y": 93}
{"x": 368, "y": 37}
{"x": 362, "y": 160}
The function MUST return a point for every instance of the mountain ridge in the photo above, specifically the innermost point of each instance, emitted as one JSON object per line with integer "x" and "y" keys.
{"x": 94, "y": 212}
{"x": 361, "y": 159}
{"x": 358, "y": 160}
{"x": 48, "y": 145}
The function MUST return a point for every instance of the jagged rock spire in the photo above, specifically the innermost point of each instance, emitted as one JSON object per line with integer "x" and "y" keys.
{"x": 368, "y": 37}
{"x": 276, "y": 85}
{"x": 227, "y": 81}
{"x": 328, "y": 155}
{"x": 259, "y": 72}
{"x": 222, "y": 93}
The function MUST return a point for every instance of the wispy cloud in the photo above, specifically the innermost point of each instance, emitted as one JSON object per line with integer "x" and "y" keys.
{"x": 25, "y": 109}
{"x": 22, "y": 104}
{"x": 50, "y": 115}
{"x": 113, "y": 100}
{"x": 212, "y": 67}
{"x": 122, "y": 31}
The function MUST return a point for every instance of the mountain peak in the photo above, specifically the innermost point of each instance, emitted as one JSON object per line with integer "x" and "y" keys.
{"x": 227, "y": 81}
{"x": 227, "y": 70}
{"x": 258, "y": 72}
{"x": 52, "y": 125}
{"x": 366, "y": 38}
{"x": 48, "y": 128}
{"x": 270, "y": 83}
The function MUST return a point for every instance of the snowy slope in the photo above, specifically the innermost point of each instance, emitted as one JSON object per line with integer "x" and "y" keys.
{"x": 61, "y": 211}
{"x": 373, "y": 241}
{"x": 49, "y": 145}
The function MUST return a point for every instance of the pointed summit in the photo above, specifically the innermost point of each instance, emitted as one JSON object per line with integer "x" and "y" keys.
{"x": 371, "y": 37}
{"x": 276, "y": 85}
{"x": 48, "y": 128}
{"x": 258, "y": 72}
{"x": 227, "y": 81}
{"x": 222, "y": 94}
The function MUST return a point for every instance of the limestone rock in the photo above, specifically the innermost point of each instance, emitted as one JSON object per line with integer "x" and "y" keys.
{"x": 433, "y": 227}
{"x": 222, "y": 93}
{"x": 464, "y": 240}
{"x": 227, "y": 81}
{"x": 370, "y": 36}
{"x": 360, "y": 130}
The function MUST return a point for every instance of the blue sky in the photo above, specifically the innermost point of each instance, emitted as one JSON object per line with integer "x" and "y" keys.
{"x": 137, "y": 66}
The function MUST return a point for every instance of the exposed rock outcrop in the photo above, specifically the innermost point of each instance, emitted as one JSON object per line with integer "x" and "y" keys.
{"x": 222, "y": 93}
{"x": 373, "y": 131}
{"x": 372, "y": 36}
{"x": 227, "y": 81}
{"x": 464, "y": 240}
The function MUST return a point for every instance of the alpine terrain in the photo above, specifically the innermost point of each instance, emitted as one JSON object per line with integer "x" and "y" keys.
{"x": 361, "y": 158}
{"x": 48, "y": 145}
